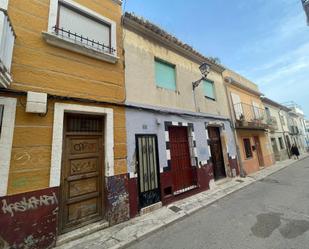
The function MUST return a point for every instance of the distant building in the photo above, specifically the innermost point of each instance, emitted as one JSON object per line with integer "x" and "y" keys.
{"x": 306, "y": 8}
{"x": 296, "y": 122}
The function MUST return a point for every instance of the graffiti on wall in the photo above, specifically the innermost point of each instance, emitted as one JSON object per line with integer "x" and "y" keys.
{"x": 29, "y": 220}
{"x": 117, "y": 199}
{"x": 28, "y": 204}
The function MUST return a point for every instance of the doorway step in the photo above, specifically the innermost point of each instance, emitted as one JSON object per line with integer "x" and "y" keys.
{"x": 81, "y": 232}
{"x": 151, "y": 208}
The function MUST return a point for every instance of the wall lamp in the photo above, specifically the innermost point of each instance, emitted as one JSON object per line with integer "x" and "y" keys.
{"x": 204, "y": 69}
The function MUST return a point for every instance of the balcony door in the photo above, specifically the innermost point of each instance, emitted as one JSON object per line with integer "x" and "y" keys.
{"x": 238, "y": 110}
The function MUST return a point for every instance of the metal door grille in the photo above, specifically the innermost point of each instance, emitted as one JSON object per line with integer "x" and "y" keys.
{"x": 148, "y": 170}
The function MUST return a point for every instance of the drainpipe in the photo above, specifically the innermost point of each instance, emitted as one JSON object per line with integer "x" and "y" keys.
{"x": 233, "y": 121}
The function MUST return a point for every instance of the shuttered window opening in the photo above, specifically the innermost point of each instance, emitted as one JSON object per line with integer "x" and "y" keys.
{"x": 165, "y": 75}
{"x": 89, "y": 27}
{"x": 1, "y": 117}
{"x": 209, "y": 89}
{"x": 84, "y": 123}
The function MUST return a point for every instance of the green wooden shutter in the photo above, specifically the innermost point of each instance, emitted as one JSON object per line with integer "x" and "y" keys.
{"x": 209, "y": 90}
{"x": 165, "y": 75}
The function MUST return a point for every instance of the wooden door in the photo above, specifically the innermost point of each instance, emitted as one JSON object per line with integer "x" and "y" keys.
{"x": 216, "y": 152}
{"x": 181, "y": 168}
{"x": 148, "y": 170}
{"x": 258, "y": 150}
{"x": 82, "y": 184}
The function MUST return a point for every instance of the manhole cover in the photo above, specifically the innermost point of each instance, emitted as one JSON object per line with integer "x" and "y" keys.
{"x": 175, "y": 209}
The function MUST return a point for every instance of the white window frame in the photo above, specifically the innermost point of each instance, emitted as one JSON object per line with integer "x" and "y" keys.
{"x": 6, "y": 141}
{"x": 57, "y": 142}
{"x": 55, "y": 40}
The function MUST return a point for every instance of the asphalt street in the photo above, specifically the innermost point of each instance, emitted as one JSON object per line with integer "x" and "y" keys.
{"x": 272, "y": 213}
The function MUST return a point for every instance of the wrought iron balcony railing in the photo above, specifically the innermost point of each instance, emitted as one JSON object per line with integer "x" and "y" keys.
{"x": 250, "y": 117}
{"x": 83, "y": 40}
{"x": 7, "y": 39}
{"x": 272, "y": 123}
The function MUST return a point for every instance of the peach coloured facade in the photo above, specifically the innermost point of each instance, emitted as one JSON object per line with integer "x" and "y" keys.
{"x": 249, "y": 96}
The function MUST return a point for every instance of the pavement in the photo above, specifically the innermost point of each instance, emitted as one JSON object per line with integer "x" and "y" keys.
{"x": 189, "y": 224}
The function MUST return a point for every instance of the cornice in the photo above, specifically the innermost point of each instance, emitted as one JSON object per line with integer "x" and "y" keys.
{"x": 165, "y": 41}
{"x": 233, "y": 82}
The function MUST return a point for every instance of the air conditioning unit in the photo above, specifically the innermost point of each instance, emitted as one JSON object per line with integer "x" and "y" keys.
{"x": 36, "y": 102}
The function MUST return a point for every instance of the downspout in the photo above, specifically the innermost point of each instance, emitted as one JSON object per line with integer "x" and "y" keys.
{"x": 232, "y": 123}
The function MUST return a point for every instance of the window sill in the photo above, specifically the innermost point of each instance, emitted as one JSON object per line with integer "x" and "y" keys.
{"x": 208, "y": 98}
{"x": 167, "y": 89}
{"x": 5, "y": 77}
{"x": 57, "y": 41}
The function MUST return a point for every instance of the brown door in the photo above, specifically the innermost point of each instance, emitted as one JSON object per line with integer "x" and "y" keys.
{"x": 258, "y": 150}
{"x": 82, "y": 199}
{"x": 181, "y": 168}
{"x": 216, "y": 152}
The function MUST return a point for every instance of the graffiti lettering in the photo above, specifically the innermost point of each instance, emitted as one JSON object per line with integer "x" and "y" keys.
{"x": 28, "y": 204}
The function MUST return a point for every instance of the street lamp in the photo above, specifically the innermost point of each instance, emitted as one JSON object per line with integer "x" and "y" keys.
{"x": 204, "y": 69}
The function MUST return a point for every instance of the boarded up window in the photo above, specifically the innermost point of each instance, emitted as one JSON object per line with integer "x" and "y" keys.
{"x": 165, "y": 75}
{"x": 247, "y": 146}
{"x": 209, "y": 89}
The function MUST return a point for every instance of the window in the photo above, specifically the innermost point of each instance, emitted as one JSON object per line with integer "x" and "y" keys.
{"x": 281, "y": 143}
{"x": 84, "y": 28}
{"x": 165, "y": 75}
{"x": 248, "y": 149}
{"x": 209, "y": 89}
{"x": 74, "y": 27}
{"x": 282, "y": 119}
{"x": 7, "y": 39}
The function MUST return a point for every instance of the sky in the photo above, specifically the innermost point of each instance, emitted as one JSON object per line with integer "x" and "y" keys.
{"x": 267, "y": 41}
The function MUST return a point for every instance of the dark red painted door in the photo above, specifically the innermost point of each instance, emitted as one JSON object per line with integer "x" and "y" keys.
{"x": 216, "y": 152}
{"x": 181, "y": 168}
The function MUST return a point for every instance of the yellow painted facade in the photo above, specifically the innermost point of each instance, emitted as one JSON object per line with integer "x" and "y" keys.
{"x": 40, "y": 67}
{"x": 249, "y": 94}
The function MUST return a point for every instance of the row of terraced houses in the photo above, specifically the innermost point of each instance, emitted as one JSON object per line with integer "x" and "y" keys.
{"x": 105, "y": 116}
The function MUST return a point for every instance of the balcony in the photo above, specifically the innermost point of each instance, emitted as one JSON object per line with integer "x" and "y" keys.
{"x": 272, "y": 123}
{"x": 294, "y": 130}
{"x": 250, "y": 117}
{"x": 7, "y": 38}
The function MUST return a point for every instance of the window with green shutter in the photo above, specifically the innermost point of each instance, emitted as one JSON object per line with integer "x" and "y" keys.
{"x": 165, "y": 75}
{"x": 209, "y": 89}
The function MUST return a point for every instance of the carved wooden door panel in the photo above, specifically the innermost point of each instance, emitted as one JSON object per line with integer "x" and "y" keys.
{"x": 216, "y": 152}
{"x": 82, "y": 199}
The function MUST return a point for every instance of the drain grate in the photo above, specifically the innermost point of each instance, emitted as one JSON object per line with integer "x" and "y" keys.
{"x": 175, "y": 209}
{"x": 239, "y": 180}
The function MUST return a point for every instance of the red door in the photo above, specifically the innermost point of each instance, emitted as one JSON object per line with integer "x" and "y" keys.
{"x": 181, "y": 168}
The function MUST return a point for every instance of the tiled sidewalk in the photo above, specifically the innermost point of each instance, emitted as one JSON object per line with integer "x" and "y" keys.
{"x": 122, "y": 235}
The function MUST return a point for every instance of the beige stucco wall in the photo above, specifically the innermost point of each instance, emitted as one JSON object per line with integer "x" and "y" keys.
{"x": 140, "y": 78}
{"x": 244, "y": 81}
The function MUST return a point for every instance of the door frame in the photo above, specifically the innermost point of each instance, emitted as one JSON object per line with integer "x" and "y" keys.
{"x": 223, "y": 160}
{"x": 157, "y": 166}
{"x": 101, "y": 182}
{"x": 258, "y": 150}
